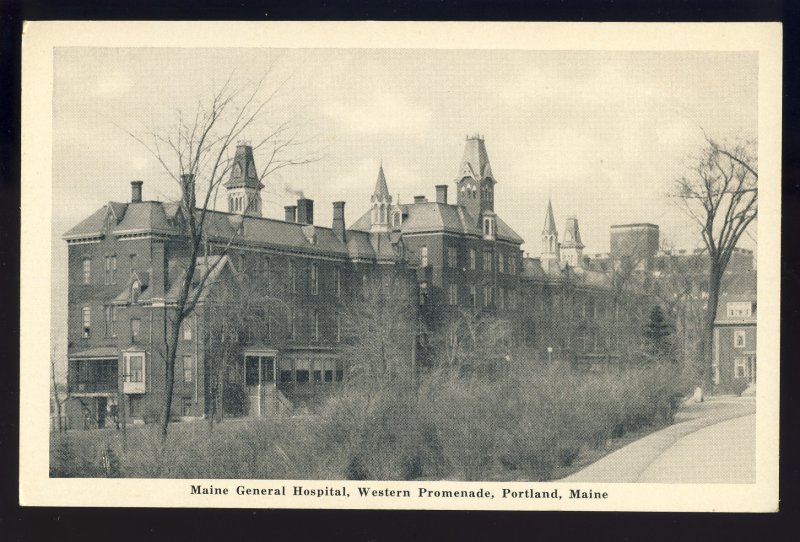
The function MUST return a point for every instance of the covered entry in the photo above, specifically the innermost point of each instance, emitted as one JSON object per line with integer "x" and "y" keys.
{"x": 259, "y": 381}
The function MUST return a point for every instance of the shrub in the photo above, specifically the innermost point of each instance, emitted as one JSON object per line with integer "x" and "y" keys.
{"x": 234, "y": 400}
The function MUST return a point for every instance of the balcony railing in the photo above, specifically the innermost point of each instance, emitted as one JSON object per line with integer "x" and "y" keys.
{"x": 93, "y": 386}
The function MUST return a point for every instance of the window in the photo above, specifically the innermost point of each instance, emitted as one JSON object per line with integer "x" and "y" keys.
{"x": 488, "y": 226}
{"x": 111, "y": 320}
{"x": 286, "y": 375}
{"x": 186, "y": 406}
{"x": 316, "y": 326}
{"x": 473, "y": 296}
{"x": 452, "y": 257}
{"x": 187, "y": 330}
{"x": 337, "y": 281}
{"x": 501, "y": 298}
{"x": 740, "y": 309}
{"x": 453, "y": 294}
{"x": 510, "y": 267}
{"x": 328, "y": 370}
{"x": 113, "y": 269}
{"x": 473, "y": 259}
{"x": 397, "y": 220}
{"x": 108, "y": 270}
{"x": 740, "y": 368}
{"x": 242, "y": 263}
{"x": 423, "y": 258}
{"x": 130, "y": 265}
{"x": 269, "y": 369}
{"x": 302, "y": 370}
{"x": 501, "y": 263}
{"x": 86, "y": 320}
{"x": 739, "y": 339}
{"x": 314, "y": 278}
{"x": 265, "y": 270}
{"x": 487, "y": 259}
{"x": 135, "y": 325}
{"x": 292, "y": 325}
{"x": 188, "y": 368}
{"x": 338, "y": 318}
{"x": 134, "y": 367}
{"x": 292, "y": 277}
{"x": 87, "y": 271}
{"x": 488, "y": 295}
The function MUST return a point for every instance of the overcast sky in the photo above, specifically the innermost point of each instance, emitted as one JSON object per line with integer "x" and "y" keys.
{"x": 602, "y": 133}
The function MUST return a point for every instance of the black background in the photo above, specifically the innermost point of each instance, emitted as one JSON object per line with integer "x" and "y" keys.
{"x": 145, "y": 524}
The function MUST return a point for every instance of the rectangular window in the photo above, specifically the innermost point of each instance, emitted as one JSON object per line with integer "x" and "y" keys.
{"x": 473, "y": 296}
{"x": 317, "y": 372}
{"x": 487, "y": 259}
{"x": 251, "y": 371}
{"x": 302, "y": 370}
{"x": 135, "y": 368}
{"x": 328, "y": 372}
{"x": 135, "y": 325}
{"x": 269, "y": 369}
{"x": 452, "y": 257}
{"x": 186, "y": 406}
{"x": 314, "y": 278}
{"x": 338, "y": 327}
{"x": 501, "y": 298}
{"x": 316, "y": 325}
{"x": 453, "y": 294}
{"x": 187, "y": 329}
{"x": 111, "y": 320}
{"x": 473, "y": 259}
{"x": 107, "y": 276}
{"x": 286, "y": 375}
{"x": 292, "y": 277}
{"x": 337, "y": 281}
{"x": 188, "y": 368}
{"x": 265, "y": 271}
{"x": 739, "y": 339}
{"x": 113, "y": 269}
{"x": 130, "y": 265}
{"x": 740, "y": 368}
{"x": 502, "y": 263}
{"x": 86, "y": 322}
{"x": 423, "y": 257}
{"x": 87, "y": 271}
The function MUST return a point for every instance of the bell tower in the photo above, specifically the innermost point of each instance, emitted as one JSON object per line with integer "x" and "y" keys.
{"x": 572, "y": 247}
{"x": 475, "y": 181}
{"x": 244, "y": 186}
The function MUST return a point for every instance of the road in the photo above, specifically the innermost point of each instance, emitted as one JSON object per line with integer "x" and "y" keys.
{"x": 711, "y": 442}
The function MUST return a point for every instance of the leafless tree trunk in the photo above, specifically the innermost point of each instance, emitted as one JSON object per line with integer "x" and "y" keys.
{"x": 720, "y": 194}
{"x": 197, "y": 154}
{"x": 57, "y": 400}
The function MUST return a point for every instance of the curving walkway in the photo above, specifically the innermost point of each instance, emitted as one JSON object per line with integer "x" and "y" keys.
{"x": 713, "y": 442}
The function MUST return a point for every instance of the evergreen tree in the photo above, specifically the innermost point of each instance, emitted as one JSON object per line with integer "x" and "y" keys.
{"x": 657, "y": 333}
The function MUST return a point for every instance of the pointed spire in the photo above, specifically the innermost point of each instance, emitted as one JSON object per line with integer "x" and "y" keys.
{"x": 243, "y": 170}
{"x": 549, "y": 220}
{"x": 381, "y": 190}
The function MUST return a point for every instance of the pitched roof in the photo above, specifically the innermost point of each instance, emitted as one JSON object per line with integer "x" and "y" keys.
{"x": 430, "y": 216}
{"x": 475, "y": 162}
{"x": 381, "y": 189}
{"x": 91, "y": 226}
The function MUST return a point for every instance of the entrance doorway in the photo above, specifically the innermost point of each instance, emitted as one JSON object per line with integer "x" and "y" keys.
{"x": 259, "y": 380}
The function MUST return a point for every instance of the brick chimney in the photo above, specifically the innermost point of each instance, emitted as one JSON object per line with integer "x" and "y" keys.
{"x": 338, "y": 221}
{"x": 441, "y": 193}
{"x": 305, "y": 211}
{"x": 291, "y": 213}
{"x": 136, "y": 191}
{"x": 420, "y": 199}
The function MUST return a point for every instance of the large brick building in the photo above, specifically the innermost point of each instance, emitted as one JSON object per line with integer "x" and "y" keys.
{"x": 127, "y": 260}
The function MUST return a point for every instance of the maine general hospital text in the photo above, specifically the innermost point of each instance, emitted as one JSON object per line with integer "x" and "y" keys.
{"x": 384, "y": 492}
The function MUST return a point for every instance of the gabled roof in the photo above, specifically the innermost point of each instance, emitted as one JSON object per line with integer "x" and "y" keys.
{"x": 429, "y": 216}
{"x": 92, "y": 226}
{"x": 738, "y": 288}
{"x": 143, "y": 278}
{"x": 475, "y": 162}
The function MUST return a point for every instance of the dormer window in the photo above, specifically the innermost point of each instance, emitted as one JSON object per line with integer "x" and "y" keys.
{"x": 397, "y": 220}
{"x": 489, "y": 228}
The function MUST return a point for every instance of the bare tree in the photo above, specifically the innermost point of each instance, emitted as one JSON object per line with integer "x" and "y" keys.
{"x": 471, "y": 337}
{"x": 720, "y": 194}
{"x": 58, "y": 400}
{"x": 379, "y": 329}
{"x": 196, "y": 153}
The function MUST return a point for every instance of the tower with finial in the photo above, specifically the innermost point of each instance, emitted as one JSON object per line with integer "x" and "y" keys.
{"x": 550, "y": 248}
{"x": 572, "y": 247}
{"x": 244, "y": 186}
{"x": 381, "y": 203}
{"x": 475, "y": 180}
